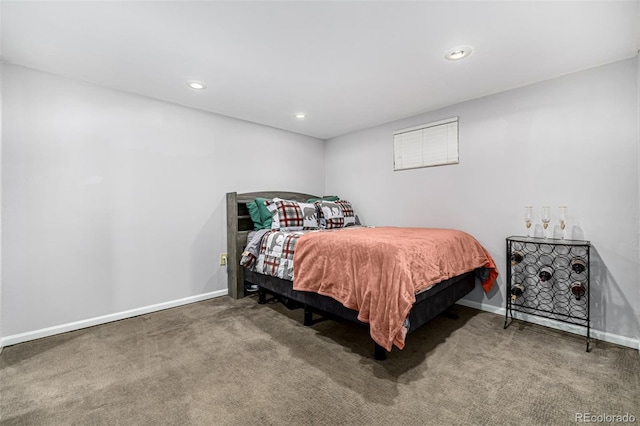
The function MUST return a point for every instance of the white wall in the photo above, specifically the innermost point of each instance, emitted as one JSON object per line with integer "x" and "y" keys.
{"x": 1, "y": 334}
{"x": 568, "y": 141}
{"x": 1, "y": 67}
{"x": 114, "y": 202}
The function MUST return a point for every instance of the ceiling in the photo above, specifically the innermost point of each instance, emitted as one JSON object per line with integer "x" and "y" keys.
{"x": 347, "y": 65}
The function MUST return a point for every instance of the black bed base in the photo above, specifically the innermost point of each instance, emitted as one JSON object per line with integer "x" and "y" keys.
{"x": 379, "y": 353}
{"x": 429, "y": 304}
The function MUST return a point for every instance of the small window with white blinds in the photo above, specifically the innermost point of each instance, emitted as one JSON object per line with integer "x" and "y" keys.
{"x": 432, "y": 144}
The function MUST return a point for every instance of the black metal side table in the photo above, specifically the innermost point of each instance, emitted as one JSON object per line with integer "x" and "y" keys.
{"x": 549, "y": 278}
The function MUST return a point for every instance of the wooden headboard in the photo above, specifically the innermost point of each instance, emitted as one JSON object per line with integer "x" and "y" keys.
{"x": 239, "y": 224}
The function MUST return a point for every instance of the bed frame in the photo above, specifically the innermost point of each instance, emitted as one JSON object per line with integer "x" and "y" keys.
{"x": 239, "y": 224}
{"x": 428, "y": 305}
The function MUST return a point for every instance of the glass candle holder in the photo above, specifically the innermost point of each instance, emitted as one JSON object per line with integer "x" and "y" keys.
{"x": 563, "y": 219}
{"x": 528, "y": 217}
{"x": 545, "y": 218}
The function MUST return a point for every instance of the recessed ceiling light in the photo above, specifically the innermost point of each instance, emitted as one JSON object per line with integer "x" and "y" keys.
{"x": 196, "y": 85}
{"x": 300, "y": 115}
{"x": 458, "y": 53}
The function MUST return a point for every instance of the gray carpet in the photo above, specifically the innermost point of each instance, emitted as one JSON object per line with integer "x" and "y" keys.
{"x": 229, "y": 362}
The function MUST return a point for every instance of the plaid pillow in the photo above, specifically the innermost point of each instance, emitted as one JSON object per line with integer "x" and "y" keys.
{"x": 273, "y": 209}
{"x": 335, "y": 214}
{"x": 290, "y": 215}
{"x": 347, "y": 212}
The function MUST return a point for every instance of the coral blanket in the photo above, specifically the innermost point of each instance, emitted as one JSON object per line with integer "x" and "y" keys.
{"x": 378, "y": 271}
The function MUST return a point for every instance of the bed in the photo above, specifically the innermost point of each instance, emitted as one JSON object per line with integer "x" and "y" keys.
{"x": 310, "y": 290}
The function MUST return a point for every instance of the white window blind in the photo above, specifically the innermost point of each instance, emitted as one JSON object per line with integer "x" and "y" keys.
{"x": 427, "y": 145}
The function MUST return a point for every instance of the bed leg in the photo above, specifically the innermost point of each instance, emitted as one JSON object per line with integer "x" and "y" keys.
{"x": 379, "y": 353}
{"x": 308, "y": 316}
{"x": 262, "y": 296}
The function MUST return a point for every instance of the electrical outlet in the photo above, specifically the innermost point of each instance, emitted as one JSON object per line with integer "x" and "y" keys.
{"x": 223, "y": 258}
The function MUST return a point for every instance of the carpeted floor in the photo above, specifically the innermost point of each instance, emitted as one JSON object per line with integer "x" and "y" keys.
{"x": 234, "y": 362}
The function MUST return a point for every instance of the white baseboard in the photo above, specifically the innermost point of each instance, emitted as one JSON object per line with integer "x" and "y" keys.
{"x": 77, "y": 325}
{"x": 571, "y": 328}
{"x": 90, "y": 322}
